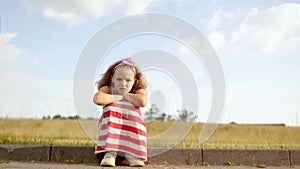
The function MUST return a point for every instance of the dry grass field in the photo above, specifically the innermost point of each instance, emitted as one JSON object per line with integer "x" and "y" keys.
{"x": 70, "y": 132}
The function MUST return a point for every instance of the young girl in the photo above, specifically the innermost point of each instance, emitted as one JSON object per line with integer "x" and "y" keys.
{"x": 121, "y": 91}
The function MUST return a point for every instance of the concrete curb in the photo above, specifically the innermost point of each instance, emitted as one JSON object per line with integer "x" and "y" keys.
{"x": 25, "y": 152}
{"x": 252, "y": 157}
{"x": 85, "y": 155}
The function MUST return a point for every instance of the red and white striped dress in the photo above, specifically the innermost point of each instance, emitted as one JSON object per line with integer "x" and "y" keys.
{"x": 121, "y": 128}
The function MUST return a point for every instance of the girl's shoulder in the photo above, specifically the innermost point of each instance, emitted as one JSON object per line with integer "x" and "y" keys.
{"x": 140, "y": 91}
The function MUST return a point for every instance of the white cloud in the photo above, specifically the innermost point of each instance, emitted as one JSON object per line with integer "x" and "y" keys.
{"x": 217, "y": 40}
{"x": 136, "y": 6}
{"x": 74, "y": 12}
{"x": 35, "y": 61}
{"x": 221, "y": 18}
{"x": 215, "y": 21}
{"x": 270, "y": 30}
{"x": 69, "y": 19}
{"x": 8, "y": 51}
{"x": 94, "y": 8}
{"x": 6, "y": 37}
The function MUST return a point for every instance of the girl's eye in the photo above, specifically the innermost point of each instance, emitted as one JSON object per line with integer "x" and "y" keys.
{"x": 128, "y": 80}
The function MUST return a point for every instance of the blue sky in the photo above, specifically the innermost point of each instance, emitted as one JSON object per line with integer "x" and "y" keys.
{"x": 257, "y": 43}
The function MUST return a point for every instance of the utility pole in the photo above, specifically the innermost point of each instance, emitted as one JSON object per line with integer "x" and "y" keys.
{"x": 21, "y": 109}
{"x": 297, "y": 118}
{"x": 68, "y": 104}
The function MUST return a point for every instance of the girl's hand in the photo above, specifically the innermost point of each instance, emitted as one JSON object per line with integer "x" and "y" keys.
{"x": 104, "y": 96}
{"x": 138, "y": 99}
{"x": 126, "y": 97}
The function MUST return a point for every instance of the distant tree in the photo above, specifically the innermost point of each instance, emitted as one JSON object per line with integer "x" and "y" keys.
{"x": 46, "y": 117}
{"x": 74, "y": 117}
{"x": 184, "y": 115}
{"x": 154, "y": 114}
{"x": 161, "y": 117}
{"x": 169, "y": 118}
{"x": 151, "y": 113}
{"x": 58, "y": 116}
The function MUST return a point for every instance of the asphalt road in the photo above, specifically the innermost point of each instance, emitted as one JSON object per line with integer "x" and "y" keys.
{"x": 27, "y": 165}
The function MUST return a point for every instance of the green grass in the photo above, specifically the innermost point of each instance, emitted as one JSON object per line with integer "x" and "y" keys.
{"x": 37, "y": 131}
{"x": 70, "y": 132}
{"x": 237, "y": 136}
{"x": 44, "y": 141}
{"x": 248, "y": 136}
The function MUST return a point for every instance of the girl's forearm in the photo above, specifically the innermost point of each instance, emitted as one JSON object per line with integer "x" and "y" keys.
{"x": 102, "y": 98}
{"x": 138, "y": 100}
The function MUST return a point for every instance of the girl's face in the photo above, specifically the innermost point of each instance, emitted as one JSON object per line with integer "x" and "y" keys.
{"x": 123, "y": 80}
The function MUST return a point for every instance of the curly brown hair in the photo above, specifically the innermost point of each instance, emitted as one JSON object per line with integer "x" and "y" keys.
{"x": 139, "y": 80}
